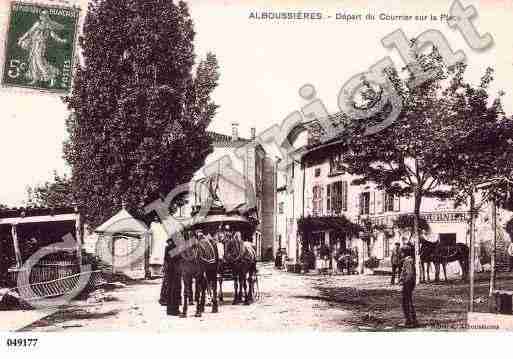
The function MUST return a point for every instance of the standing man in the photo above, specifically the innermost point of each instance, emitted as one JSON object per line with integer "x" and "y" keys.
{"x": 510, "y": 256}
{"x": 408, "y": 277}
{"x": 396, "y": 262}
{"x": 165, "y": 279}
{"x": 174, "y": 281}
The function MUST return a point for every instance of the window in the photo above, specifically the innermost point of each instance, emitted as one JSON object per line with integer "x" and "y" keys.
{"x": 317, "y": 200}
{"x": 317, "y": 239}
{"x": 317, "y": 172}
{"x": 365, "y": 203}
{"x": 391, "y": 203}
{"x": 336, "y": 164}
{"x": 280, "y": 207}
{"x": 336, "y": 195}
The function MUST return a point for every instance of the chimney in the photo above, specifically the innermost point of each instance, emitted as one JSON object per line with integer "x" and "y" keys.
{"x": 253, "y": 133}
{"x": 235, "y": 131}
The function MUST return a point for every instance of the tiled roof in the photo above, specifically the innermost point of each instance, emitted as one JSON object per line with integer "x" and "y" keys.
{"x": 33, "y": 211}
{"x": 222, "y": 140}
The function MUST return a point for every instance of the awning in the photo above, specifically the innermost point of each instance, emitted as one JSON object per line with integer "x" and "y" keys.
{"x": 324, "y": 223}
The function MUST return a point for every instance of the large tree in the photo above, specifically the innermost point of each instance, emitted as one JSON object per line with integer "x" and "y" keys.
{"x": 478, "y": 147}
{"x": 139, "y": 112}
{"x": 402, "y": 159}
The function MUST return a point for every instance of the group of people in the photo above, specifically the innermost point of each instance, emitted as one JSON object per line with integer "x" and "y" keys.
{"x": 171, "y": 290}
{"x": 403, "y": 266}
{"x": 345, "y": 259}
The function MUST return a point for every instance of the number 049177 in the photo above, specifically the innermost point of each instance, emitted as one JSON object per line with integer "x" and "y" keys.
{"x": 22, "y": 342}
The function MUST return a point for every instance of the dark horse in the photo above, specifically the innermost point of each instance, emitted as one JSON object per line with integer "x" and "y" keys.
{"x": 426, "y": 251}
{"x": 200, "y": 262}
{"x": 441, "y": 255}
{"x": 240, "y": 256}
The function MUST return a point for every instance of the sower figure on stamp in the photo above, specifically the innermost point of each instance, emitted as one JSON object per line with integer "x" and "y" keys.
{"x": 408, "y": 278}
{"x": 396, "y": 262}
{"x": 36, "y": 41}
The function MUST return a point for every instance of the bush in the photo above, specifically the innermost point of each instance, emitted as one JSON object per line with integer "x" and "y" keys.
{"x": 371, "y": 263}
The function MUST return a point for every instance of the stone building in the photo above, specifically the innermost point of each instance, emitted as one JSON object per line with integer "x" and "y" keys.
{"x": 321, "y": 207}
{"x": 244, "y": 177}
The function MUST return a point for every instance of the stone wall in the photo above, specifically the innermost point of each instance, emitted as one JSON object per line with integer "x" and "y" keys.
{"x": 268, "y": 209}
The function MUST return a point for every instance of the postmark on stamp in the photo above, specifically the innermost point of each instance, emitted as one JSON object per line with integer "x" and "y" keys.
{"x": 40, "y": 47}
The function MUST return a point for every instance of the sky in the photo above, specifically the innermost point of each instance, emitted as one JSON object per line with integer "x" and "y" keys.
{"x": 263, "y": 63}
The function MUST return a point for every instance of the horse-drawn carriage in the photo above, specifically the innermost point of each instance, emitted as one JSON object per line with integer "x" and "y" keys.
{"x": 217, "y": 250}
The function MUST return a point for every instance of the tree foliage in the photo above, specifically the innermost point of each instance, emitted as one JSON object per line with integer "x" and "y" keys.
{"x": 477, "y": 138}
{"x": 449, "y": 137}
{"x": 403, "y": 158}
{"x": 55, "y": 193}
{"x": 139, "y": 111}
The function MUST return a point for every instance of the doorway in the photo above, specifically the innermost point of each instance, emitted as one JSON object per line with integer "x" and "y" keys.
{"x": 447, "y": 239}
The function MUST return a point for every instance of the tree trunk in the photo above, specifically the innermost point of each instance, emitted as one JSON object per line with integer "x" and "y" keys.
{"x": 471, "y": 269}
{"x": 416, "y": 231}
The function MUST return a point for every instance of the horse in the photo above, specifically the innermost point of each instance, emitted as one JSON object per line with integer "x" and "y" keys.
{"x": 451, "y": 253}
{"x": 426, "y": 251}
{"x": 440, "y": 254}
{"x": 240, "y": 256}
{"x": 200, "y": 261}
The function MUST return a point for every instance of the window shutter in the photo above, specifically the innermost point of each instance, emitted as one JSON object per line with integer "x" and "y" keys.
{"x": 396, "y": 204}
{"x": 344, "y": 196}
{"x": 321, "y": 200}
{"x": 360, "y": 203}
{"x": 372, "y": 202}
{"x": 328, "y": 197}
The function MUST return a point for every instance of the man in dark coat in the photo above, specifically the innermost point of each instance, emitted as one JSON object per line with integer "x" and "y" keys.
{"x": 165, "y": 272}
{"x": 395, "y": 259}
{"x": 408, "y": 278}
{"x": 171, "y": 292}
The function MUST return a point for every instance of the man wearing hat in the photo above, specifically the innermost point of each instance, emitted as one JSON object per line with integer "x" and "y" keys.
{"x": 173, "y": 291}
{"x": 395, "y": 259}
{"x": 408, "y": 278}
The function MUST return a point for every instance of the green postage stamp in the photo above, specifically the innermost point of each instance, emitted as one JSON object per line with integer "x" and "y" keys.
{"x": 40, "y": 47}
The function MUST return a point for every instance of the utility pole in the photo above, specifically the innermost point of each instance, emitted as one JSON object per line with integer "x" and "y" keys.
{"x": 472, "y": 259}
{"x": 494, "y": 249}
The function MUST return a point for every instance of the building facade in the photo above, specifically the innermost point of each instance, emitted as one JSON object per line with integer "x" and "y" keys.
{"x": 243, "y": 176}
{"x": 321, "y": 208}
